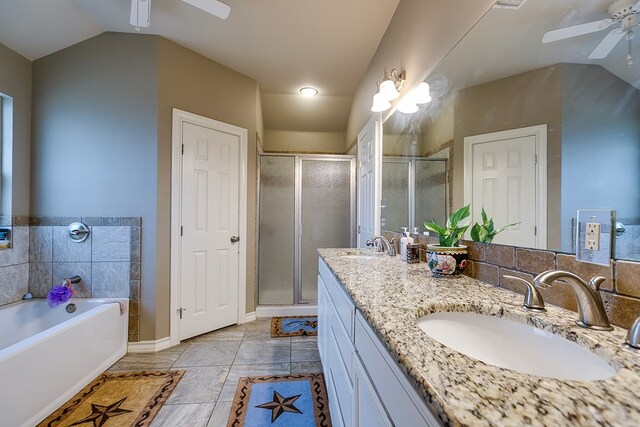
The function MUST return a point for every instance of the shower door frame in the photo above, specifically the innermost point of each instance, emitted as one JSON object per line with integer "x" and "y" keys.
{"x": 297, "y": 261}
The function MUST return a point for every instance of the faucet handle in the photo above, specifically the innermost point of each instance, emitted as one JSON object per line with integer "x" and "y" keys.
{"x": 596, "y": 281}
{"x": 532, "y": 298}
{"x": 633, "y": 335}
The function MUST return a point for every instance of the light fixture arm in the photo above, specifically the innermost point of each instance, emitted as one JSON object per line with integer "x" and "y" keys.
{"x": 397, "y": 77}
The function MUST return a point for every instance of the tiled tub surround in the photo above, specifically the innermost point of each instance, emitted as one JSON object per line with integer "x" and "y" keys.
{"x": 14, "y": 266}
{"x": 392, "y": 295}
{"x": 490, "y": 262}
{"x": 108, "y": 261}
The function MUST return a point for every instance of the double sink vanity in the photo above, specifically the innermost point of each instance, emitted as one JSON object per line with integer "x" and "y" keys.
{"x": 400, "y": 347}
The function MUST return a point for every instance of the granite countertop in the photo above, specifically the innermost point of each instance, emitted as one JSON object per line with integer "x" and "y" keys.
{"x": 392, "y": 295}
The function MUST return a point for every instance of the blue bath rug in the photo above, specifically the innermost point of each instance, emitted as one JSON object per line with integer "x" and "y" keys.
{"x": 291, "y": 326}
{"x": 295, "y": 400}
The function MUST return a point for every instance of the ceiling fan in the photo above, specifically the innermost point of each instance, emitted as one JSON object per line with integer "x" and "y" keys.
{"x": 624, "y": 14}
{"x": 141, "y": 10}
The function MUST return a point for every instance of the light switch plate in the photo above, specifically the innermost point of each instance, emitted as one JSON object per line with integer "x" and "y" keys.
{"x": 593, "y": 235}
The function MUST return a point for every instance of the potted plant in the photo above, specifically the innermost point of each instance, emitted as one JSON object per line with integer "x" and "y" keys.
{"x": 485, "y": 232}
{"x": 449, "y": 257}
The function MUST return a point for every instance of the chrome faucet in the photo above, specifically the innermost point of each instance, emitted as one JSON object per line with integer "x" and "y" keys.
{"x": 381, "y": 241}
{"x": 633, "y": 335}
{"x": 532, "y": 298}
{"x": 591, "y": 312}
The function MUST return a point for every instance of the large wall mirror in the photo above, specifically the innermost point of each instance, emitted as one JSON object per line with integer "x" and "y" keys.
{"x": 530, "y": 131}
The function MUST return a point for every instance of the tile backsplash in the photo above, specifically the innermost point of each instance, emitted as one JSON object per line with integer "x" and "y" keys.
{"x": 14, "y": 266}
{"x": 491, "y": 262}
{"x": 108, "y": 261}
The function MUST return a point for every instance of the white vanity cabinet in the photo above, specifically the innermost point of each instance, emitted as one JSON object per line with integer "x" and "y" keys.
{"x": 366, "y": 387}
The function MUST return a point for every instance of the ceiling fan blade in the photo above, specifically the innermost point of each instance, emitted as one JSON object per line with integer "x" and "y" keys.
{"x": 607, "y": 44}
{"x": 214, "y": 7}
{"x": 576, "y": 30}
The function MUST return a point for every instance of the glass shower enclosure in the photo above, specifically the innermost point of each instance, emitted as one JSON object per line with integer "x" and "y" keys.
{"x": 306, "y": 202}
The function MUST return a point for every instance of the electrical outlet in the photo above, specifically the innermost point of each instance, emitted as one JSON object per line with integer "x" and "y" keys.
{"x": 592, "y": 238}
{"x": 594, "y": 228}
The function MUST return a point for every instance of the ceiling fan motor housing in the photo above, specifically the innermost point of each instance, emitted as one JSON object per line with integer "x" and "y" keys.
{"x": 619, "y": 9}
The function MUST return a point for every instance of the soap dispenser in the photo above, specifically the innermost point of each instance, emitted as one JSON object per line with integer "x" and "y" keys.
{"x": 404, "y": 241}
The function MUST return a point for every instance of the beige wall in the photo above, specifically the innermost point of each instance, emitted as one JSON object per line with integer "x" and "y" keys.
{"x": 498, "y": 106}
{"x": 417, "y": 38}
{"x": 95, "y": 141}
{"x": 15, "y": 81}
{"x": 191, "y": 82}
{"x": 303, "y": 142}
{"x": 439, "y": 131}
{"x": 110, "y": 98}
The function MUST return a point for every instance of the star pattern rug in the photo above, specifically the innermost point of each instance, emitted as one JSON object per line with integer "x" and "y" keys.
{"x": 281, "y": 401}
{"x": 292, "y": 326}
{"x": 117, "y": 399}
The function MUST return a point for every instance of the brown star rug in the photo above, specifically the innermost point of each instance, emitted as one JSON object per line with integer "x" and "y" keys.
{"x": 281, "y": 401}
{"x": 117, "y": 399}
{"x": 293, "y": 326}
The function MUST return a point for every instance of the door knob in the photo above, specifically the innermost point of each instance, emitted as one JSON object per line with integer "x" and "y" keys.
{"x": 235, "y": 239}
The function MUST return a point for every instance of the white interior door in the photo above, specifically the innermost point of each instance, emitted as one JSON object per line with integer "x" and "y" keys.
{"x": 501, "y": 175}
{"x": 369, "y": 194}
{"x": 210, "y": 251}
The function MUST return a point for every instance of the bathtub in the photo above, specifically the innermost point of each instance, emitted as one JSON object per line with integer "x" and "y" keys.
{"x": 47, "y": 355}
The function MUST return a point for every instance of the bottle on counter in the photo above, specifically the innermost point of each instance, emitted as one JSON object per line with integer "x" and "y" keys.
{"x": 404, "y": 241}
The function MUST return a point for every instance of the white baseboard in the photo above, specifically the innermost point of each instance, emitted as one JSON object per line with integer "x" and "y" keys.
{"x": 249, "y": 317}
{"x": 286, "y": 310}
{"x": 149, "y": 346}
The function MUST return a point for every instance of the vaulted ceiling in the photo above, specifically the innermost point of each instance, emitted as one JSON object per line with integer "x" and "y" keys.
{"x": 283, "y": 44}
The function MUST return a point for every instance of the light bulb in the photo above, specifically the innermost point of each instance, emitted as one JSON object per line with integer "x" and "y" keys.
{"x": 388, "y": 90}
{"x": 380, "y": 103}
{"x": 408, "y": 105}
{"x": 421, "y": 94}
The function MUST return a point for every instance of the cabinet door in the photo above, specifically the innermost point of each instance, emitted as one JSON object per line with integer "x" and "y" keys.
{"x": 368, "y": 411}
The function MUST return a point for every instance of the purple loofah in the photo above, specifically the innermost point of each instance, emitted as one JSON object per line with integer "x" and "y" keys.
{"x": 59, "y": 295}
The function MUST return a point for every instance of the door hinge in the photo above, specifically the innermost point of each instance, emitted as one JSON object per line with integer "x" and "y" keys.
{"x": 181, "y": 310}
{"x": 181, "y": 231}
{"x": 535, "y": 159}
{"x": 535, "y": 230}
{"x": 359, "y": 229}
{"x": 182, "y": 148}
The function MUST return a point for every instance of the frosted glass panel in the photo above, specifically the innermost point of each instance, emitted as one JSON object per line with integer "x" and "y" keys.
{"x": 277, "y": 230}
{"x": 431, "y": 185}
{"x": 326, "y": 216}
{"x": 395, "y": 195}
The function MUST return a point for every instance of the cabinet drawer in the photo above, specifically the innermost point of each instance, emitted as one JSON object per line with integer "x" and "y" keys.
{"x": 402, "y": 402}
{"x": 345, "y": 309}
{"x": 343, "y": 343}
{"x": 341, "y": 379}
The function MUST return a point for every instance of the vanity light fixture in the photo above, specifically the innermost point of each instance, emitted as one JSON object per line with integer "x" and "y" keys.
{"x": 419, "y": 95}
{"x": 380, "y": 104}
{"x": 140, "y": 14}
{"x": 392, "y": 84}
{"x": 308, "y": 91}
{"x": 408, "y": 105}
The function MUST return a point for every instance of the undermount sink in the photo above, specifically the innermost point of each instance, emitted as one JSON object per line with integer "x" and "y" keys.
{"x": 516, "y": 346}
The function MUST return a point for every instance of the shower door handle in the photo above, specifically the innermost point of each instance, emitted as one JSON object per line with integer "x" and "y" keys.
{"x": 235, "y": 239}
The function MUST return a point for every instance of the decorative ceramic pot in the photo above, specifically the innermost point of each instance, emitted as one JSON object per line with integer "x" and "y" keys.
{"x": 447, "y": 261}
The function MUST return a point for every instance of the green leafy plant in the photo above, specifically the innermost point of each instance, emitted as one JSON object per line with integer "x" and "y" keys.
{"x": 451, "y": 235}
{"x": 485, "y": 232}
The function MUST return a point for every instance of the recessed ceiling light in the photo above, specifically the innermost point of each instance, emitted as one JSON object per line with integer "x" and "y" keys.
{"x": 308, "y": 91}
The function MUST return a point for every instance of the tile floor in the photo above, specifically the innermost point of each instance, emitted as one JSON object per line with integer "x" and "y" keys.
{"x": 214, "y": 362}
